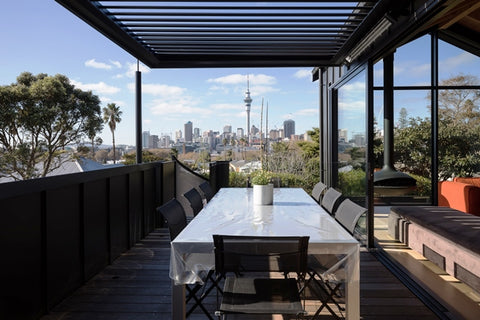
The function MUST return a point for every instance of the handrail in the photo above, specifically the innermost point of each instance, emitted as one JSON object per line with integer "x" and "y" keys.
{"x": 188, "y": 169}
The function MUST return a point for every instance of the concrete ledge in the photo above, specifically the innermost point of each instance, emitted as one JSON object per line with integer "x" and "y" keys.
{"x": 446, "y": 236}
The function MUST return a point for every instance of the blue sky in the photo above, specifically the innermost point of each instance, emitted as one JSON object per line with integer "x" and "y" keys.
{"x": 40, "y": 36}
{"x": 411, "y": 68}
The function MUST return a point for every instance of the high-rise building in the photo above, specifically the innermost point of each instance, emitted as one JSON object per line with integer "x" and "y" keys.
{"x": 343, "y": 135}
{"x": 289, "y": 128}
{"x": 188, "y": 128}
{"x": 196, "y": 133}
{"x": 145, "y": 139}
{"x": 248, "y": 103}
{"x": 178, "y": 135}
{"x": 227, "y": 129}
{"x": 153, "y": 141}
{"x": 240, "y": 133}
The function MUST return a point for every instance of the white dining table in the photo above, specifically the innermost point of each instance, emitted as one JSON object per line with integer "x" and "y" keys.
{"x": 232, "y": 212}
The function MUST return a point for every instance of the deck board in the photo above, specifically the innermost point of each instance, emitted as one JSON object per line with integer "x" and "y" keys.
{"x": 137, "y": 287}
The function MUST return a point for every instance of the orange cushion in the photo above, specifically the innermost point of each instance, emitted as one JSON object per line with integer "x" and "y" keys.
{"x": 472, "y": 181}
{"x": 460, "y": 196}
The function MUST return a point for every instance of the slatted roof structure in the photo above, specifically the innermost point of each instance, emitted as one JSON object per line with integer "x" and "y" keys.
{"x": 206, "y": 34}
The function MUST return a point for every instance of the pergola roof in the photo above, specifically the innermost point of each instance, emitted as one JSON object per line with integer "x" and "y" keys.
{"x": 190, "y": 34}
{"x": 235, "y": 33}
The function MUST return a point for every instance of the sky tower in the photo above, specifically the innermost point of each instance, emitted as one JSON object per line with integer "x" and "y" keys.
{"x": 248, "y": 104}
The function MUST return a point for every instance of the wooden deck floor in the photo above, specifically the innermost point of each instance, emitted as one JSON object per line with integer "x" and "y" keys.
{"x": 137, "y": 287}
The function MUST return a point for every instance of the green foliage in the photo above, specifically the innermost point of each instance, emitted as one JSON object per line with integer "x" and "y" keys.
{"x": 39, "y": 116}
{"x": 111, "y": 116}
{"x": 147, "y": 156}
{"x": 424, "y": 185}
{"x": 352, "y": 183}
{"x": 458, "y": 134}
{"x": 238, "y": 180}
{"x": 262, "y": 177}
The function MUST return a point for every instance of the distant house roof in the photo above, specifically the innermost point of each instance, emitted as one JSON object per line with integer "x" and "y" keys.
{"x": 74, "y": 165}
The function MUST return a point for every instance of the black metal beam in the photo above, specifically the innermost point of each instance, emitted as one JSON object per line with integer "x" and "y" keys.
{"x": 86, "y": 11}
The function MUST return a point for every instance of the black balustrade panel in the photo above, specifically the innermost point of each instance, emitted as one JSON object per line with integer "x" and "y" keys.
{"x": 64, "y": 242}
{"x": 119, "y": 216}
{"x": 58, "y": 232}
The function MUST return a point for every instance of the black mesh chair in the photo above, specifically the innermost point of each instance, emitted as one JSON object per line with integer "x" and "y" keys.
{"x": 195, "y": 200}
{"x": 331, "y": 200}
{"x": 176, "y": 220}
{"x": 318, "y": 191}
{"x": 351, "y": 216}
{"x": 248, "y": 262}
{"x": 207, "y": 190}
{"x": 174, "y": 216}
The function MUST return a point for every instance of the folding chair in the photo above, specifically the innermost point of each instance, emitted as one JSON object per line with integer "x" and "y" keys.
{"x": 259, "y": 257}
{"x": 348, "y": 215}
{"x": 318, "y": 191}
{"x": 331, "y": 199}
{"x": 176, "y": 220}
{"x": 195, "y": 200}
{"x": 207, "y": 190}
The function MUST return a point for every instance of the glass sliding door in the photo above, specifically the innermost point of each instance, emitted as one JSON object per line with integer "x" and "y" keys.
{"x": 352, "y": 138}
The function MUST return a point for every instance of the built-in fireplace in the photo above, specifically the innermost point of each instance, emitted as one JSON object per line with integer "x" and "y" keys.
{"x": 388, "y": 181}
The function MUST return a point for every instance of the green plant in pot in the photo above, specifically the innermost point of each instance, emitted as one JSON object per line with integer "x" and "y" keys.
{"x": 262, "y": 188}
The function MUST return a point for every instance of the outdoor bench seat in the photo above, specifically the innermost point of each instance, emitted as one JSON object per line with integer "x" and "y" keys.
{"x": 447, "y": 237}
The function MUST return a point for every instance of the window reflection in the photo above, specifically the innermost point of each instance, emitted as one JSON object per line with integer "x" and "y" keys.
{"x": 352, "y": 137}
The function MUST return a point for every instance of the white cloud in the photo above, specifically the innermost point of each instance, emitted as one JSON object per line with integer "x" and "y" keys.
{"x": 131, "y": 69}
{"x": 99, "y": 88}
{"x": 107, "y": 100}
{"x": 234, "y": 79}
{"x": 159, "y": 89}
{"x": 177, "y": 106}
{"x": 116, "y": 63}
{"x": 97, "y": 65}
{"x": 306, "y": 112}
{"x": 454, "y": 62}
{"x": 303, "y": 73}
{"x": 227, "y": 106}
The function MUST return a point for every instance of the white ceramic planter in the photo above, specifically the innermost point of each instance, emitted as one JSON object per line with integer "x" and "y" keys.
{"x": 263, "y": 194}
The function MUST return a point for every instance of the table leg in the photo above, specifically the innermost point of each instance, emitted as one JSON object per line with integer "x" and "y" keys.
{"x": 352, "y": 302}
{"x": 178, "y": 302}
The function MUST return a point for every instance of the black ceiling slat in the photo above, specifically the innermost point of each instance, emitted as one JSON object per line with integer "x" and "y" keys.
{"x": 250, "y": 8}
{"x": 318, "y": 38}
{"x": 238, "y": 14}
{"x": 257, "y": 26}
{"x": 294, "y": 20}
{"x": 210, "y": 30}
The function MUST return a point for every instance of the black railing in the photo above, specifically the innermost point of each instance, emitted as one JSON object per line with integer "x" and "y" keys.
{"x": 58, "y": 232}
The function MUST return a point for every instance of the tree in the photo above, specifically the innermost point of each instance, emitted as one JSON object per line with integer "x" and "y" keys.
{"x": 95, "y": 125}
{"x": 458, "y": 134}
{"x": 112, "y": 116}
{"x": 39, "y": 116}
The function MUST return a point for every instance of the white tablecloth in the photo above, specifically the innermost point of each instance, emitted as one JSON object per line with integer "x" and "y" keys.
{"x": 293, "y": 213}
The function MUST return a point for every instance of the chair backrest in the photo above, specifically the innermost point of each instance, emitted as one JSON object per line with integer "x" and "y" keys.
{"x": 331, "y": 199}
{"x": 207, "y": 190}
{"x": 174, "y": 216}
{"x": 348, "y": 214}
{"x": 195, "y": 200}
{"x": 260, "y": 253}
{"x": 318, "y": 191}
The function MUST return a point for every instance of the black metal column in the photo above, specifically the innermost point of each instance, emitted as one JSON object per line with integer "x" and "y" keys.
{"x": 138, "y": 114}
{"x": 434, "y": 117}
{"x": 370, "y": 162}
{"x": 388, "y": 109}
